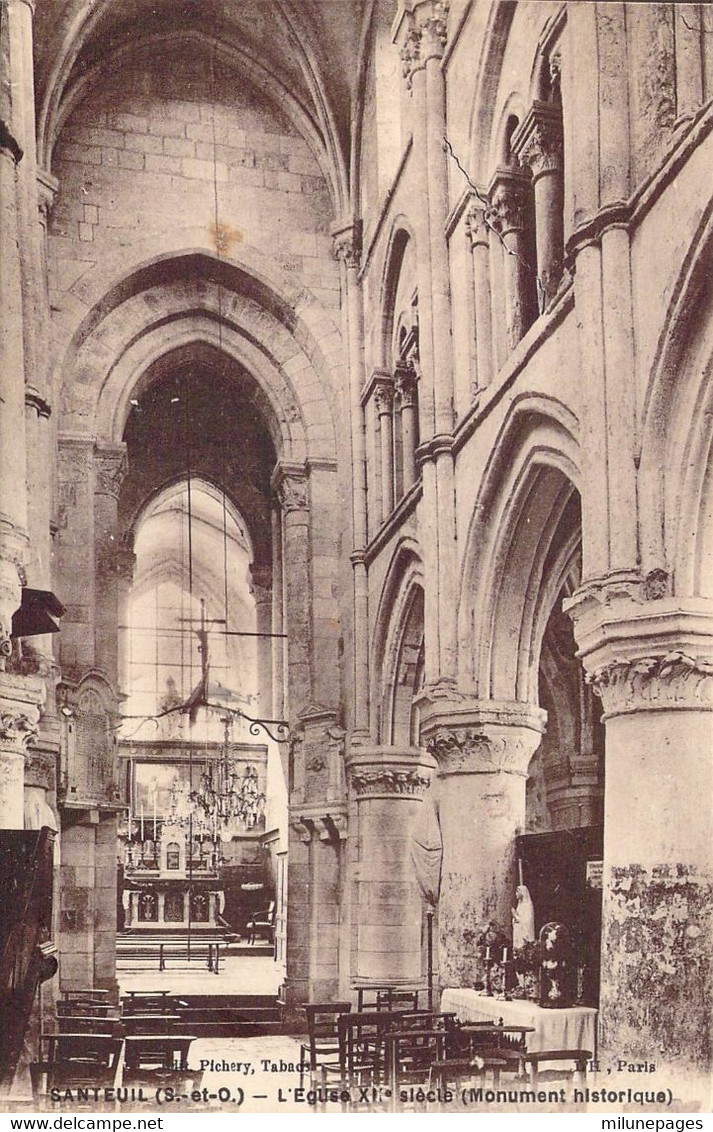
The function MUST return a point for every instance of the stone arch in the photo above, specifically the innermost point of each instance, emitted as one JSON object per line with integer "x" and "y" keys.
{"x": 481, "y": 124}
{"x": 399, "y": 240}
{"x": 171, "y": 300}
{"x": 316, "y": 122}
{"x": 524, "y": 534}
{"x": 398, "y": 618}
{"x": 675, "y": 488}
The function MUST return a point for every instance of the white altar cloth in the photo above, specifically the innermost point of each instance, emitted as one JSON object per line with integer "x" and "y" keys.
{"x": 573, "y": 1027}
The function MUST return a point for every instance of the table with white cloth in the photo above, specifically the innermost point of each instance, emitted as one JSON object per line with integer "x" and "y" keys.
{"x": 573, "y": 1027}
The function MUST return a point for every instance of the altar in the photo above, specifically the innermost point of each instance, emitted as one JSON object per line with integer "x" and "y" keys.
{"x": 573, "y": 1027}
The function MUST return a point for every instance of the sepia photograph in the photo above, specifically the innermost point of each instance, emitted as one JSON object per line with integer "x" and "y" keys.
{"x": 356, "y": 560}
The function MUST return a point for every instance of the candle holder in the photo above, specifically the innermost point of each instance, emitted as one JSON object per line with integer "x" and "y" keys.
{"x": 488, "y": 973}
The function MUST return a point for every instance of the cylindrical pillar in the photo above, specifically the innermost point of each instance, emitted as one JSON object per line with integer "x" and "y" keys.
{"x": 13, "y": 493}
{"x": 479, "y": 238}
{"x": 509, "y": 196}
{"x": 388, "y": 784}
{"x": 431, "y": 20}
{"x": 109, "y": 468}
{"x": 262, "y": 593}
{"x": 483, "y": 751}
{"x": 406, "y": 384}
{"x": 290, "y": 483}
{"x": 384, "y": 401}
{"x": 347, "y": 250}
{"x": 654, "y": 674}
{"x": 538, "y": 144}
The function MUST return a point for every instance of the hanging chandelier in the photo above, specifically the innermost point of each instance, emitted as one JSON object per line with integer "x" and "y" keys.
{"x": 226, "y": 802}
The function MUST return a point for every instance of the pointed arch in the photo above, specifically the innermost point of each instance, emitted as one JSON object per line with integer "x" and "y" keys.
{"x": 398, "y": 642}
{"x": 675, "y": 488}
{"x": 524, "y": 535}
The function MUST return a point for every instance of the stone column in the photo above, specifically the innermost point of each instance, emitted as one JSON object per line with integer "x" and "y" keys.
{"x": 13, "y": 493}
{"x": 406, "y": 386}
{"x": 651, "y": 662}
{"x": 479, "y": 239}
{"x": 508, "y": 194}
{"x": 290, "y": 484}
{"x": 105, "y": 873}
{"x": 262, "y": 593}
{"x": 20, "y": 700}
{"x": 429, "y": 18}
{"x": 110, "y": 467}
{"x": 384, "y": 401}
{"x": 317, "y": 828}
{"x": 388, "y": 784}
{"x": 280, "y": 703}
{"x": 538, "y": 144}
{"x": 483, "y": 750}
{"x": 347, "y": 249}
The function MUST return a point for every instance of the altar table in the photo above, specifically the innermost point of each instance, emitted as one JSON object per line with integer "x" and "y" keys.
{"x": 573, "y": 1027}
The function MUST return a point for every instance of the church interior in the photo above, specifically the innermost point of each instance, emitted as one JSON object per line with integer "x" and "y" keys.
{"x": 356, "y": 505}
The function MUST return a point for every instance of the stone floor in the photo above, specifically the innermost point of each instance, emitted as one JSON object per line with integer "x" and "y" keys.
{"x": 239, "y": 974}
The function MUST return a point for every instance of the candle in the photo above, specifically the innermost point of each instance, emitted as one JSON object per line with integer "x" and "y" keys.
{"x": 487, "y": 953}
{"x": 142, "y": 821}
{"x": 154, "y": 817}
{"x": 505, "y": 955}
{"x": 519, "y": 870}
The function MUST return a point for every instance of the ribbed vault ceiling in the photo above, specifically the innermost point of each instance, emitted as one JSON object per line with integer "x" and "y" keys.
{"x": 308, "y": 48}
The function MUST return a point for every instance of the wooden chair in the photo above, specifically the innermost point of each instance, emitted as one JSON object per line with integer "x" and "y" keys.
{"x": 386, "y": 998}
{"x": 161, "y": 1061}
{"x": 263, "y": 923}
{"x": 322, "y": 1052}
{"x": 151, "y": 1023}
{"x": 147, "y": 1002}
{"x": 76, "y": 1061}
{"x": 455, "y": 1073}
{"x": 410, "y": 1057}
{"x": 361, "y": 1046}
{"x": 85, "y": 1007}
{"x": 571, "y": 1065}
{"x": 88, "y": 1024}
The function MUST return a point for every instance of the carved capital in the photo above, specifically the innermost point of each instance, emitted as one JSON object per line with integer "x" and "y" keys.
{"x": 644, "y": 649}
{"x": 538, "y": 140}
{"x": 480, "y": 737}
{"x": 374, "y": 783}
{"x": 422, "y": 35}
{"x": 405, "y": 384}
{"x": 47, "y": 187}
{"x": 110, "y": 468}
{"x": 346, "y": 246}
{"x": 20, "y": 701}
{"x": 289, "y": 482}
{"x": 325, "y": 823}
{"x": 509, "y": 197}
{"x": 476, "y": 226}
{"x": 384, "y": 396}
{"x": 12, "y": 579}
{"x": 40, "y": 769}
{"x": 389, "y": 772}
{"x": 671, "y": 680}
{"x": 261, "y": 577}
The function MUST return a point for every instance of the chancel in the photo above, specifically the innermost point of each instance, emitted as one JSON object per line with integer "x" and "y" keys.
{"x": 356, "y": 528}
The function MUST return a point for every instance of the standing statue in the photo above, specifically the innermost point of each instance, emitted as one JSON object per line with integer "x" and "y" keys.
{"x": 523, "y": 918}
